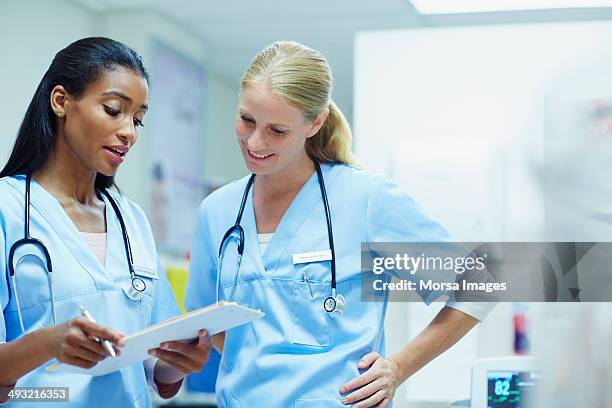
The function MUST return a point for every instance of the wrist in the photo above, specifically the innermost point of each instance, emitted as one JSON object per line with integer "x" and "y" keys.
{"x": 167, "y": 379}
{"x": 401, "y": 371}
{"x": 23, "y": 355}
{"x": 47, "y": 339}
{"x": 163, "y": 373}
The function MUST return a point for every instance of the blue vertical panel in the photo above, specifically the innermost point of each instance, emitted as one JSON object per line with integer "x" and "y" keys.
{"x": 205, "y": 380}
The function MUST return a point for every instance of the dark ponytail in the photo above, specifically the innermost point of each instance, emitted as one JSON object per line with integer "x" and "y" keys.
{"x": 75, "y": 67}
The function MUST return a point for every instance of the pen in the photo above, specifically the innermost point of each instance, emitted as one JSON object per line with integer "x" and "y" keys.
{"x": 105, "y": 343}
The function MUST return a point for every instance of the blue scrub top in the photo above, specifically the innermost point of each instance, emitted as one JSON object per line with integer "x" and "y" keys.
{"x": 298, "y": 355}
{"x": 79, "y": 279}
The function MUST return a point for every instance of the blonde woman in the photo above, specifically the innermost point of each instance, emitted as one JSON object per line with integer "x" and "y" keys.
{"x": 286, "y": 240}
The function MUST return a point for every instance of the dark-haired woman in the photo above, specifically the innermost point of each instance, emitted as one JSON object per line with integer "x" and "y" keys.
{"x": 85, "y": 245}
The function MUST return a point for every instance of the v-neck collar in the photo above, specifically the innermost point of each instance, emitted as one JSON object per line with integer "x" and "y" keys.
{"x": 295, "y": 215}
{"x": 51, "y": 210}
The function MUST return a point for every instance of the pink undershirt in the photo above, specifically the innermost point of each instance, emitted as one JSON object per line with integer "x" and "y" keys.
{"x": 97, "y": 243}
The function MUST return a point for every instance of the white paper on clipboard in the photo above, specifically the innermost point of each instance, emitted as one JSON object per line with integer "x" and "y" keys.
{"x": 214, "y": 318}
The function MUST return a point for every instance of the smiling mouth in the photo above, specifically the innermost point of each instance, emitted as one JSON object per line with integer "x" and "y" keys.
{"x": 116, "y": 152}
{"x": 260, "y": 156}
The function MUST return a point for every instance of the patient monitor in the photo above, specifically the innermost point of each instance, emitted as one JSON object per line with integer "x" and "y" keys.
{"x": 504, "y": 382}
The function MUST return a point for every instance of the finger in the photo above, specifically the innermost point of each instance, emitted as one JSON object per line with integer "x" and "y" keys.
{"x": 187, "y": 349}
{"x": 94, "y": 329}
{"x": 77, "y": 339}
{"x": 373, "y": 400}
{"x": 175, "y": 358}
{"x": 204, "y": 339}
{"x": 113, "y": 346}
{"x": 178, "y": 347}
{"x": 76, "y": 361}
{"x": 83, "y": 354}
{"x": 384, "y": 403}
{"x": 199, "y": 348}
{"x": 94, "y": 346}
{"x": 360, "y": 381}
{"x": 201, "y": 340}
{"x": 363, "y": 392}
{"x": 368, "y": 359}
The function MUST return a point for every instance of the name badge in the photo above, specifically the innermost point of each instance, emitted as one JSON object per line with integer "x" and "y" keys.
{"x": 146, "y": 272}
{"x": 316, "y": 256}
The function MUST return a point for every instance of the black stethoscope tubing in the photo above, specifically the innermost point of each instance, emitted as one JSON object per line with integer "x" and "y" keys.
{"x": 27, "y": 240}
{"x": 138, "y": 285}
{"x": 330, "y": 234}
{"x": 332, "y": 303}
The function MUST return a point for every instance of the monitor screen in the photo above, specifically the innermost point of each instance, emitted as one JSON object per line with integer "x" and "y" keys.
{"x": 510, "y": 389}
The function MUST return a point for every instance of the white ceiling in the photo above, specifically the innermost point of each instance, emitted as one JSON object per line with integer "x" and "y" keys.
{"x": 235, "y": 30}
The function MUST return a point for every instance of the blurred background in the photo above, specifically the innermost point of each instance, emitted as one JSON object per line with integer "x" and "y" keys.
{"x": 496, "y": 116}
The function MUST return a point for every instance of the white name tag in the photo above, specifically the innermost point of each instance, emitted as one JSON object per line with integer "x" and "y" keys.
{"x": 316, "y": 256}
{"x": 146, "y": 272}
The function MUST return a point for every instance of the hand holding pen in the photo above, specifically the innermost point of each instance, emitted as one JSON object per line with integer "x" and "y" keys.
{"x": 77, "y": 342}
{"x": 105, "y": 343}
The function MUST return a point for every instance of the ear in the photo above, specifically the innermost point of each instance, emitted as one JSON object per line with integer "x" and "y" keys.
{"x": 318, "y": 122}
{"x": 59, "y": 100}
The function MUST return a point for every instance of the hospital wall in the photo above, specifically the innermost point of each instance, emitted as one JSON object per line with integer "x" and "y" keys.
{"x": 467, "y": 119}
{"x": 32, "y": 32}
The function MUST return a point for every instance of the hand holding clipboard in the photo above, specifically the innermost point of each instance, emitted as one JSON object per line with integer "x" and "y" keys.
{"x": 214, "y": 318}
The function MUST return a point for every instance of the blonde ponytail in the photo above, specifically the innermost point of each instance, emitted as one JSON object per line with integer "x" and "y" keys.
{"x": 302, "y": 77}
{"x": 333, "y": 142}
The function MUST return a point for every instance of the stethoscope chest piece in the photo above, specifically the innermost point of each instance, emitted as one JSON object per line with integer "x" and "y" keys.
{"x": 334, "y": 304}
{"x": 134, "y": 288}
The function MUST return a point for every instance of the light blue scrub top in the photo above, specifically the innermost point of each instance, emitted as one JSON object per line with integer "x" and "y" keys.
{"x": 79, "y": 279}
{"x": 298, "y": 355}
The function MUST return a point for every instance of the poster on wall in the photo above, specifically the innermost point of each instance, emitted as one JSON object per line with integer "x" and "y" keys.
{"x": 176, "y": 127}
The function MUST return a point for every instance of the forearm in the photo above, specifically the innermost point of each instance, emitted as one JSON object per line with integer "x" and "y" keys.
{"x": 446, "y": 329}
{"x": 21, "y": 356}
{"x": 176, "y": 360}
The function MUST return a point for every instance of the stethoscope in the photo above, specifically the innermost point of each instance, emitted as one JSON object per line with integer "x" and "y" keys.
{"x": 134, "y": 287}
{"x": 333, "y": 303}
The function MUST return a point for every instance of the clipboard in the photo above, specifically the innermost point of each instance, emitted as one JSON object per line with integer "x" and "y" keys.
{"x": 215, "y": 318}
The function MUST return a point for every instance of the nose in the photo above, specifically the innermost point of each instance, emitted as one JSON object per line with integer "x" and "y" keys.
{"x": 127, "y": 133}
{"x": 256, "y": 141}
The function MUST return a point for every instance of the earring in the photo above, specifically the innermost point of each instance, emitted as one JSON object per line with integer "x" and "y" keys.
{"x": 60, "y": 114}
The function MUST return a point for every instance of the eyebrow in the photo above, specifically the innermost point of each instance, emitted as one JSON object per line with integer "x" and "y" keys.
{"x": 124, "y": 97}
